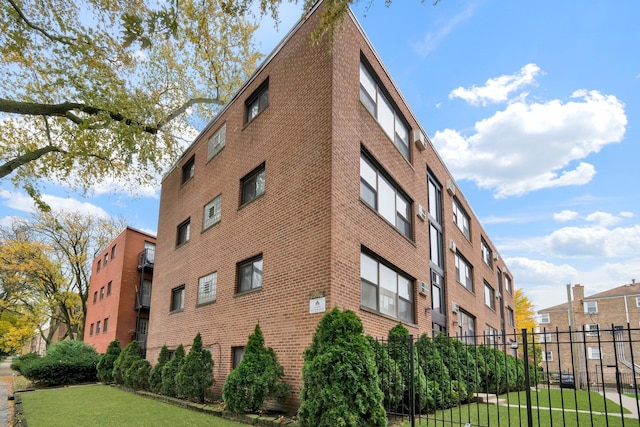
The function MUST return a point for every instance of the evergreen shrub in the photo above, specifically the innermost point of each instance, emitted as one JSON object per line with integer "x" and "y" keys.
{"x": 105, "y": 364}
{"x": 195, "y": 373}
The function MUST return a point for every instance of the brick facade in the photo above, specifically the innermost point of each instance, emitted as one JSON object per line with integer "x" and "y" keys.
{"x": 310, "y": 225}
{"x": 118, "y": 307}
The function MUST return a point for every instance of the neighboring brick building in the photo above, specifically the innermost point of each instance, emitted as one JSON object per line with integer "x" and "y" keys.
{"x": 315, "y": 187}
{"x": 598, "y": 350}
{"x": 120, "y": 291}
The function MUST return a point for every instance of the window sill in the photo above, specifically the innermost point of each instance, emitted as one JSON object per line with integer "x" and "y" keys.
{"x": 182, "y": 244}
{"x": 242, "y": 206}
{"x": 386, "y": 316}
{"x": 202, "y": 304}
{"x": 180, "y": 310}
{"x": 183, "y": 184}
{"x": 408, "y": 239}
{"x": 211, "y": 226}
{"x": 250, "y": 291}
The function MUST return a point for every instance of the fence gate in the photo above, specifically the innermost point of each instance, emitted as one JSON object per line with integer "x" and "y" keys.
{"x": 583, "y": 377}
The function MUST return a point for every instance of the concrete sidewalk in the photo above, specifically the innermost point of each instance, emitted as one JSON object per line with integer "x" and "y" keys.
{"x": 6, "y": 387}
{"x": 628, "y": 402}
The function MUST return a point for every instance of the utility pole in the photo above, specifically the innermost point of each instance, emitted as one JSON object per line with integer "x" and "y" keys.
{"x": 572, "y": 337}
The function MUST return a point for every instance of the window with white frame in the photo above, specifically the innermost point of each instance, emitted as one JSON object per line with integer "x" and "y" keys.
{"x": 546, "y": 337}
{"x": 487, "y": 253}
{"x": 545, "y": 318}
{"x": 591, "y": 307}
{"x": 507, "y": 284}
{"x": 491, "y": 335}
{"x": 489, "y": 296}
{"x": 383, "y": 195}
{"x": 391, "y": 121}
{"x": 212, "y": 212}
{"x": 207, "y": 288}
{"x": 638, "y": 302}
{"x": 460, "y": 218}
{"x": 511, "y": 319}
{"x": 547, "y": 356}
{"x": 385, "y": 289}
{"x": 216, "y": 142}
{"x": 592, "y": 329}
{"x": 466, "y": 327}
{"x": 594, "y": 353}
{"x": 464, "y": 272}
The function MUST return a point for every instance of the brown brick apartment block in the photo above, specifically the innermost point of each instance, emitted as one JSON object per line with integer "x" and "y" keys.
{"x": 608, "y": 334}
{"x": 315, "y": 187}
{"x": 120, "y": 291}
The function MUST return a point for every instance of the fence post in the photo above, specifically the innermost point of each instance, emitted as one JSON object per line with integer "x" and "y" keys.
{"x": 527, "y": 378}
{"x": 412, "y": 391}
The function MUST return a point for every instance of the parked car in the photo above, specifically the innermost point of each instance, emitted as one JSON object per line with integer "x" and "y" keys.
{"x": 567, "y": 381}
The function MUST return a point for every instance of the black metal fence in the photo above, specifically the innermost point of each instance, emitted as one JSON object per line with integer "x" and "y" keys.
{"x": 588, "y": 376}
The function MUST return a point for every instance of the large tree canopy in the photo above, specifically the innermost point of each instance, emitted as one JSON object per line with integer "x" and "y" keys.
{"x": 96, "y": 88}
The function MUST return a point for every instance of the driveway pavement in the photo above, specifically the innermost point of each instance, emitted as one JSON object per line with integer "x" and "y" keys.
{"x": 6, "y": 386}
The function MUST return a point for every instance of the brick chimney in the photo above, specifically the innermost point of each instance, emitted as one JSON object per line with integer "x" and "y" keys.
{"x": 578, "y": 293}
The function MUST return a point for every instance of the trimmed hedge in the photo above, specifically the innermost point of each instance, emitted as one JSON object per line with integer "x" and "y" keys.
{"x": 18, "y": 362}
{"x": 66, "y": 362}
{"x": 105, "y": 365}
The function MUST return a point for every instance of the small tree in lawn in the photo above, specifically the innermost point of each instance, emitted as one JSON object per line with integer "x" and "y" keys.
{"x": 155, "y": 378}
{"x": 105, "y": 365}
{"x": 195, "y": 373}
{"x": 256, "y": 379}
{"x": 127, "y": 357}
{"x": 137, "y": 376}
{"x": 341, "y": 386}
{"x": 169, "y": 372}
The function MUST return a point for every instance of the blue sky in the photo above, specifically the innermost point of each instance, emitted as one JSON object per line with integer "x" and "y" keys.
{"x": 534, "y": 108}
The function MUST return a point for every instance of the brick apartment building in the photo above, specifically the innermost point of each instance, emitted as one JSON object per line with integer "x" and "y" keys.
{"x": 608, "y": 334}
{"x": 120, "y": 291}
{"x": 315, "y": 187}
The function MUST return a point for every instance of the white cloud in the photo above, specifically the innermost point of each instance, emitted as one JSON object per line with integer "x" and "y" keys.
{"x": 497, "y": 89}
{"x": 23, "y": 203}
{"x": 625, "y": 214}
{"x": 565, "y": 216}
{"x": 603, "y": 219}
{"x": 596, "y": 241}
{"x": 532, "y": 146}
{"x": 433, "y": 39}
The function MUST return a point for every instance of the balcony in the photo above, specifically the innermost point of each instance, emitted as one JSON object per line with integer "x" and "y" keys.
{"x": 143, "y": 299}
{"x": 146, "y": 258}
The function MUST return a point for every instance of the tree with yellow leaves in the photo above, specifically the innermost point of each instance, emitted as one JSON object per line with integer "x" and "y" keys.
{"x": 526, "y": 319}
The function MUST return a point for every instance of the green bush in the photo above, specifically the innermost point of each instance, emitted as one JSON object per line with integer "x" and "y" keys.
{"x": 195, "y": 373}
{"x": 391, "y": 378}
{"x": 398, "y": 348}
{"x": 169, "y": 372}
{"x": 256, "y": 379}
{"x": 130, "y": 354}
{"x": 341, "y": 386}
{"x": 18, "y": 362}
{"x": 155, "y": 377}
{"x": 66, "y": 362}
{"x": 105, "y": 365}
{"x": 137, "y": 375}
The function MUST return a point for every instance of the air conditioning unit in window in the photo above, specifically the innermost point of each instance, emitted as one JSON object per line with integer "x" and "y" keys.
{"x": 495, "y": 256}
{"x": 452, "y": 246}
{"x": 419, "y": 140}
{"x": 422, "y": 212}
{"x": 451, "y": 187}
{"x": 455, "y": 307}
{"x": 423, "y": 288}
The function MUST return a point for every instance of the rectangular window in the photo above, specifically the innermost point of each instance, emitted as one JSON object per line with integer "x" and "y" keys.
{"x": 385, "y": 289}
{"x": 212, "y": 212}
{"x": 97, "y": 327}
{"x": 101, "y": 293}
{"x": 489, "y": 296}
{"x": 594, "y": 353}
{"x": 435, "y": 201}
{"x": 145, "y": 294}
{"x": 177, "y": 298}
{"x": 546, "y": 337}
{"x": 510, "y": 317}
{"x": 207, "y": 288}
{"x": 106, "y": 259}
{"x": 184, "y": 232}
{"x": 466, "y": 327}
{"x": 91, "y": 330}
{"x": 638, "y": 302}
{"x": 592, "y": 329}
{"x": 460, "y": 218}
{"x": 188, "y": 170}
{"x": 238, "y": 354}
{"x": 507, "y": 284}
{"x": 109, "y": 286}
{"x": 383, "y": 195}
{"x": 216, "y": 142}
{"x": 105, "y": 326}
{"x": 250, "y": 274}
{"x": 387, "y": 115}
{"x": 95, "y": 297}
{"x": 547, "y": 356}
{"x": 545, "y": 318}
{"x": 99, "y": 262}
{"x": 591, "y": 307}
{"x": 491, "y": 335}
{"x": 487, "y": 253}
{"x": 253, "y": 184}
{"x": 143, "y": 326}
{"x": 463, "y": 272}
{"x": 113, "y": 252}
{"x": 436, "y": 297}
{"x": 258, "y": 101}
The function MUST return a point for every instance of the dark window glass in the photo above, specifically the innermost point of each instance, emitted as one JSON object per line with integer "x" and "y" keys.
{"x": 253, "y": 184}
{"x": 188, "y": 170}
{"x": 177, "y": 298}
{"x": 258, "y": 101}
{"x": 250, "y": 274}
{"x": 184, "y": 232}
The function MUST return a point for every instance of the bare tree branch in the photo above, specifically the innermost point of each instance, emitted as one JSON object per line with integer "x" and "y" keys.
{"x": 25, "y": 158}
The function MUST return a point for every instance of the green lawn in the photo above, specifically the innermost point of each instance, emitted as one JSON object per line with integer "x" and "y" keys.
{"x": 492, "y": 415}
{"x": 99, "y": 405}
